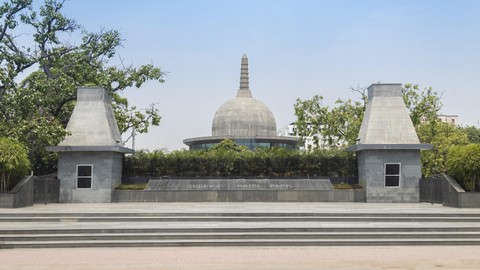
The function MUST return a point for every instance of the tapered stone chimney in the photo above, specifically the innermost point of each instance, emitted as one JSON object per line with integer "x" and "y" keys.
{"x": 92, "y": 122}
{"x": 90, "y": 156}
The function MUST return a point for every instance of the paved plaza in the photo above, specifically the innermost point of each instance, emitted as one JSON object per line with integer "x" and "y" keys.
{"x": 279, "y": 257}
{"x": 245, "y": 258}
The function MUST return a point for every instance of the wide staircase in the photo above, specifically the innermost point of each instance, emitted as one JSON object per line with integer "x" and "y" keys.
{"x": 200, "y": 226}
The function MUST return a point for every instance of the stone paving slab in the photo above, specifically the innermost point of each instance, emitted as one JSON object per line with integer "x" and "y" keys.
{"x": 244, "y": 258}
{"x": 246, "y": 207}
{"x": 217, "y": 225}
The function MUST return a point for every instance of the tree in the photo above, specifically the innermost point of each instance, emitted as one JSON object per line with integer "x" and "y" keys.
{"x": 13, "y": 59}
{"x": 442, "y": 136}
{"x": 473, "y": 133}
{"x": 36, "y": 110}
{"x": 423, "y": 105}
{"x": 463, "y": 164}
{"x": 335, "y": 127}
{"x": 311, "y": 119}
{"x": 14, "y": 162}
{"x": 344, "y": 122}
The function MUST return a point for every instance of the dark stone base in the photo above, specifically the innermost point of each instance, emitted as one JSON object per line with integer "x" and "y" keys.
{"x": 239, "y": 184}
{"x": 239, "y": 196}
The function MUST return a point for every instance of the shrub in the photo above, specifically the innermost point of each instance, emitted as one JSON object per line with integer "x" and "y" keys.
{"x": 235, "y": 162}
{"x": 463, "y": 164}
{"x": 14, "y": 163}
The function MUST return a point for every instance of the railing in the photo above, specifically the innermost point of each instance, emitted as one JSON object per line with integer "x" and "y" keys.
{"x": 46, "y": 189}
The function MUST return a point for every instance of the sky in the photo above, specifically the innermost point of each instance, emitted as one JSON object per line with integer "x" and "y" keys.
{"x": 296, "y": 49}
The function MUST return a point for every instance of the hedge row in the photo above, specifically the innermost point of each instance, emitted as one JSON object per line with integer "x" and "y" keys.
{"x": 260, "y": 163}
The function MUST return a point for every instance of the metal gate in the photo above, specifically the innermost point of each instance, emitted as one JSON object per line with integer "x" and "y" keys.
{"x": 46, "y": 189}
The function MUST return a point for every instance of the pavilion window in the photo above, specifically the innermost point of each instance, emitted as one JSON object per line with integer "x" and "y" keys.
{"x": 392, "y": 174}
{"x": 84, "y": 176}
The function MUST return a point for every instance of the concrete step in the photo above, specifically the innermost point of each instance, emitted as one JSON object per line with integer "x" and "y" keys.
{"x": 249, "y": 228}
{"x": 236, "y": 242}
{"x": 219, "y": 228}
{"x": 180, "y": 218}
{"x": 231, "y": 235}
{"x": 239, "y": 214}
{"x": 235, "y": 214}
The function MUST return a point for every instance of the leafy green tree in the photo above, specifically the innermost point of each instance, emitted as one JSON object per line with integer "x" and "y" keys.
{"x": 14, "y": 162}
{"x": 442, "y": 136}
{"x": 473, "y": 133}
{"x": 311, "y": 119}
{"x": 13, "y": 59}
{"x": 423, "y": 105}
{"x": 36, "y": 110}
{"x": 463, "y": 163}
{"x": 344, "y": 122}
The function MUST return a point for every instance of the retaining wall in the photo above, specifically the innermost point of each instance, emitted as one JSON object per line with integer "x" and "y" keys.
{"x": 239, "y": 196}
{"x": 20, "y": 196}
{"x": 445, "y": 190}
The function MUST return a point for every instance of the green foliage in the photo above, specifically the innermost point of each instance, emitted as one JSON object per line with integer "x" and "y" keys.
{"x": 14, "y": 162}
{"x": 423, "y": 105}
{"x": 473, "y": 133}
{"x": 228, "y": 145}
{"x": 36, "y": 110}
{"x": 463, "y": 164}
{"x": 343, "y": 185}
{"x": 335, "y": 127}
{"x": 275, "y": 162}
{"x": 131, "y": 187}
{"x": 442, "y": 136}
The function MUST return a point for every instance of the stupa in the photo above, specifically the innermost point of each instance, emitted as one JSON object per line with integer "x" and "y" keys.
{"x": 245, "y": 120}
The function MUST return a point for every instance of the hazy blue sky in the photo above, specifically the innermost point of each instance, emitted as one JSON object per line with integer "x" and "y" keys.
{"x": 296, "y": 49}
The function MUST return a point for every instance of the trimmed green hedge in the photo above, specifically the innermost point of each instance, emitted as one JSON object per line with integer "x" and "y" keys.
{"x": 275, "y": 162}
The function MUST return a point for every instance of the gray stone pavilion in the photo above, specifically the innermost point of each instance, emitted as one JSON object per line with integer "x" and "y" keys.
{"x": 388, "y": 149}
{"x": 90, "y": 157}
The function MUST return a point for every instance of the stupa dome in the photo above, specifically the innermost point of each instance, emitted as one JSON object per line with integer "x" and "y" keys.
{"x": 244, "y": 116}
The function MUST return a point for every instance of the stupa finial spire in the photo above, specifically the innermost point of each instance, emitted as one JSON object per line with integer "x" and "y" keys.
{"x": 244, "y": 73}
{"x": 244, "y": 91}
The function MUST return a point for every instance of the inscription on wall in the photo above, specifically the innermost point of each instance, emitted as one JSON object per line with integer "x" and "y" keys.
{"x": 239, "y": 184}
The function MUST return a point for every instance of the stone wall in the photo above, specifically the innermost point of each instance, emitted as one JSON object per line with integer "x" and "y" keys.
{"x": 371, "y": 169}
{"x": 20, "y": 196}
{"x": 107, "y": 173}
{"x": 239, "y": 196}
{"x": 445, "y": 190}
